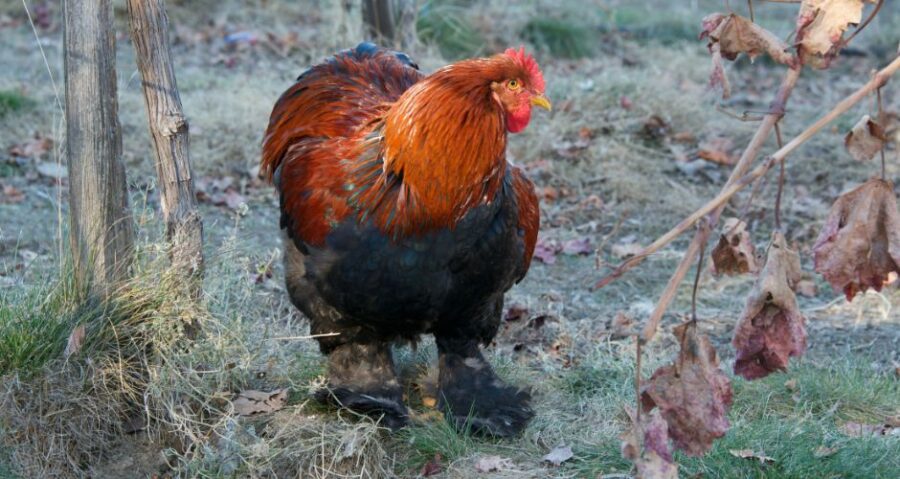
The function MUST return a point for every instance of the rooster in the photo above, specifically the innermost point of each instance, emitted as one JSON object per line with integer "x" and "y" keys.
{"x": 402, "y": 217}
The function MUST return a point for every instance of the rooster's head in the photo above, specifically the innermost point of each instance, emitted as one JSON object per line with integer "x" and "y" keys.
{"x": 520, "y": 88}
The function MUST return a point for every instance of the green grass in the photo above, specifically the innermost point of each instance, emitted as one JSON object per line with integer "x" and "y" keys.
{"x": 563, "y": 38}
{"x": 12, "y": 101}
{"x": 789, "y": 426}
{"x": 34, "y": 326}
{"x": 444, "y": 23}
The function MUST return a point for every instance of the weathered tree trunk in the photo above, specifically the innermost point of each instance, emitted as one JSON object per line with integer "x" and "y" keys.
{"x": 380, "y": 19}
{"x": 101, "y": 224}
{"x": 169, "y": 128}
{"x": 391, "y": 21}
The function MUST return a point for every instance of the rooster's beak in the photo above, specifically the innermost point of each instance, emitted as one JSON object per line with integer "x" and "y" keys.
{"x": 541, "y": 101}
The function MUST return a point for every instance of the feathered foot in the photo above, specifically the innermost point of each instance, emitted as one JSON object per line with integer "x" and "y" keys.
{"x": 361, "y": 378}
{"x": 473, "y": 398}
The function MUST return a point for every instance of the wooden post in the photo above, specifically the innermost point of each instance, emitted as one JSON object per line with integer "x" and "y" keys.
{"x": 102, "y": 234}
{"x": 169, "y": 128}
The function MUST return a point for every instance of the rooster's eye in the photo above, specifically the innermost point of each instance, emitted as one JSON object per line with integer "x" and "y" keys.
{"x": 514, "y": 85}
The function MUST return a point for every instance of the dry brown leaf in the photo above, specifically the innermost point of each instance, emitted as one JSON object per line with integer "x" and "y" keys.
{"x": 76, "y": 340}
{"x": 865, "y": 140}
{"x": 35, "y": 147}
{"x": 718, "y": 79}
{"x": 859, "y": 246}
{"x": 771, "y": 328}
{"x": 626, "y": 249}
{"x": 646, "y": 444}
{"x": 692, "y": 394}
{"x": 559, "y": 455}
{"x": 717, "y": 150}
{"x": 749, "y": 454}
{"x": 250, "y": 402}
{"x": 433, "y": 467}
{"x": 623, "y": 326}
{"x": 492, "y": 464}
{"x": 10, "y": 194}
{"x": 735, "y": 35}
{"x": 821, "y": 25}
{"x": 729, "y": 36}
{"x": 734, "y": 254}
{"x": 52, "y": 170}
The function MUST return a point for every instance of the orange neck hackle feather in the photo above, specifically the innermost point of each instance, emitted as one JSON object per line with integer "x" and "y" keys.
{"x": 446, "y": 138}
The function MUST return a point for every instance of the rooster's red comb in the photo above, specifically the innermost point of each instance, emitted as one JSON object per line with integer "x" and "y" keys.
{"x": 526, "y": 61}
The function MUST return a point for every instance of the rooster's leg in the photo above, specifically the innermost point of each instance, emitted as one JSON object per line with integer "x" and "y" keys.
{"x": 473, "y": 397}
{"x": 361, "y": 378}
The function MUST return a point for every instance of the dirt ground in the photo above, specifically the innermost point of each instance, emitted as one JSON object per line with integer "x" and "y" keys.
{"x": 616, "y": 164}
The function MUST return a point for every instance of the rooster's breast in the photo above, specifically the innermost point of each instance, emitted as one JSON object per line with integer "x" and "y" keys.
{"x": 410, "y": 283}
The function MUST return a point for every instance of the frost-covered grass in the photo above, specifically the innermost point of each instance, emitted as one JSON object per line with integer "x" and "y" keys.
{"x": 137, "y": 363}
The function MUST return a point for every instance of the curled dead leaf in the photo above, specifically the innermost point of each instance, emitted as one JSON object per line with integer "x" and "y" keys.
{"x": 734, "y": 254}
{"x": 559, "y": 455}
{"x": 735, "y": 35}
{"x": 75, "y": 341}
{"x": 646, "y": 444}
{"x": 865, "y": 139}
{"x": 692, "y": 393}
{"x": 859, "y": 246}
{"x": 433, "y": 467}
{"x": 250, "y": 402}
{"x": 492, "y": 464}
{"x": 821, "y": 25}
{"x": 623, "y": 326}
{"x": 771, "y": 328}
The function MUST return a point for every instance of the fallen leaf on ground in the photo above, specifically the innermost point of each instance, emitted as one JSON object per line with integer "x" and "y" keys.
{"x": 75, "y": 341}
{"x": 859, "y": 245}
{"x": 717, "y": 150}
{"x": 52, "y": 170}
{"x": 578, "y": 246}
{"x": 734, "y": 254}
{"x": 692, "y": 393}
{"x": 821, "y": 25}
{"x": 11, "y": 194}
{"x": 626, "y": 249}
{"x": 622, "y": 326}
{"x": 791, "y": 384}
{"x": 865, "y": 140}
{"x": 559, "y": 455}
{"x": 516, "y": 312}
{"x": 771, "y": 328}
{"x": 546, "y": 250}
{"x": 251, "y": 402}
{"x": 492, "y": 464}
{"x": 432, "y": 467}
{"x": 655, "y": 128}
{"x": 35, "y": 147}
{"x": 646, "y": 444}
{"x": 749, "y": 454}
